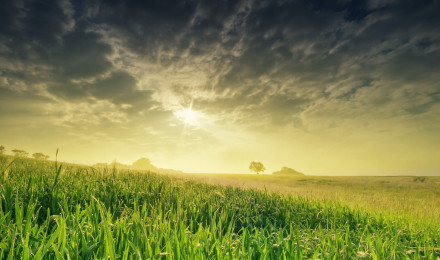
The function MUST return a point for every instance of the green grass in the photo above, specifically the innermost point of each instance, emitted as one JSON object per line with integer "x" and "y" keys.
{"x": 50, "y": 211}
{"x": 413, "y": 199}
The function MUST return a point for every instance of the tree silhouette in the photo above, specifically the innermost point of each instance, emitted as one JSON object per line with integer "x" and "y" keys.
{"x": 144, "y": 164}
{"x": 40, "y": 156}
{"x": 2, "y": 149}
{"x": 257, "y": 167}
{"x": 20, "y": 153}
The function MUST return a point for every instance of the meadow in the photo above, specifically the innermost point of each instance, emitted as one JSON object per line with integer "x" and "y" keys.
{"x": 50, "y": 210}
{"x": 414, "y": 199}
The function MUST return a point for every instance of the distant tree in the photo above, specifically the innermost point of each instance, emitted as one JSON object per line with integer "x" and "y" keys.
{"x": 20, "y": 153}
{"x": 144, "y": 164}
{"x": 257, "y": 167}
{"x": 2, "y": 149}
{"x": 40, "y": 156}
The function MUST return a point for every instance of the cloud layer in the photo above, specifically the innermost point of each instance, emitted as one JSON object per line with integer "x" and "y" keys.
{"x": 283, "y": 74}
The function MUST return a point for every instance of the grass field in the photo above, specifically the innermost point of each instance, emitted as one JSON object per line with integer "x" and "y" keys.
{"x": 53, "y": 211}
{"x": 412, "y": 198}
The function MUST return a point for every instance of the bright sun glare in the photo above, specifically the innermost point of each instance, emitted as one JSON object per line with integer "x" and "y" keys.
{"x": 189, "y": 116}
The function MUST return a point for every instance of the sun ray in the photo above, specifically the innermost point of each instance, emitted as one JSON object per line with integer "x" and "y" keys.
{"x": 189, "y": 116}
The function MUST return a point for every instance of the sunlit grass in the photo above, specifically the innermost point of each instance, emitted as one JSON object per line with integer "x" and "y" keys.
{"x": 414, "y": 199}
{"x": 48, "y": 212}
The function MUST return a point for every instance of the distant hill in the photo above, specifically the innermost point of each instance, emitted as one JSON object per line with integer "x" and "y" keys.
{"x": 141, "y": 164}
{"x": 288, "y": 171}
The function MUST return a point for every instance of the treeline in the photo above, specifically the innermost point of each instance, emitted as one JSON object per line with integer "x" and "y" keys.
{"x": 23, "y": 153}
{"x": 140, "y": 164}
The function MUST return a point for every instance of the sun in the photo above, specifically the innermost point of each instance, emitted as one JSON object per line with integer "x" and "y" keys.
{"x": 189, "y": 117}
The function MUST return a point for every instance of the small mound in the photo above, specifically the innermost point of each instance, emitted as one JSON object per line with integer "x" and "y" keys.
{"x": 288, "y": 171}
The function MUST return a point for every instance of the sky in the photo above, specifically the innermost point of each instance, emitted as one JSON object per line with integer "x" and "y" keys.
{"x": 324, "y": 87}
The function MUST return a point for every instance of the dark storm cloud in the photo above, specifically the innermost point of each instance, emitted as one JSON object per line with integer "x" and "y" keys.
{"x": 314, "y": 48}
{"x": 296, "y": 38}
{"x": 34, "y": 35}
{"x": 30, "y": 26}
{"x": 43, "y": 43}
{"x": 114, "y": 86}
{"x": 120, "y": 88}
{"x": 151, "y": 27}
{"x": 279, "y": 58}
{"x": 81, "y": 55}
